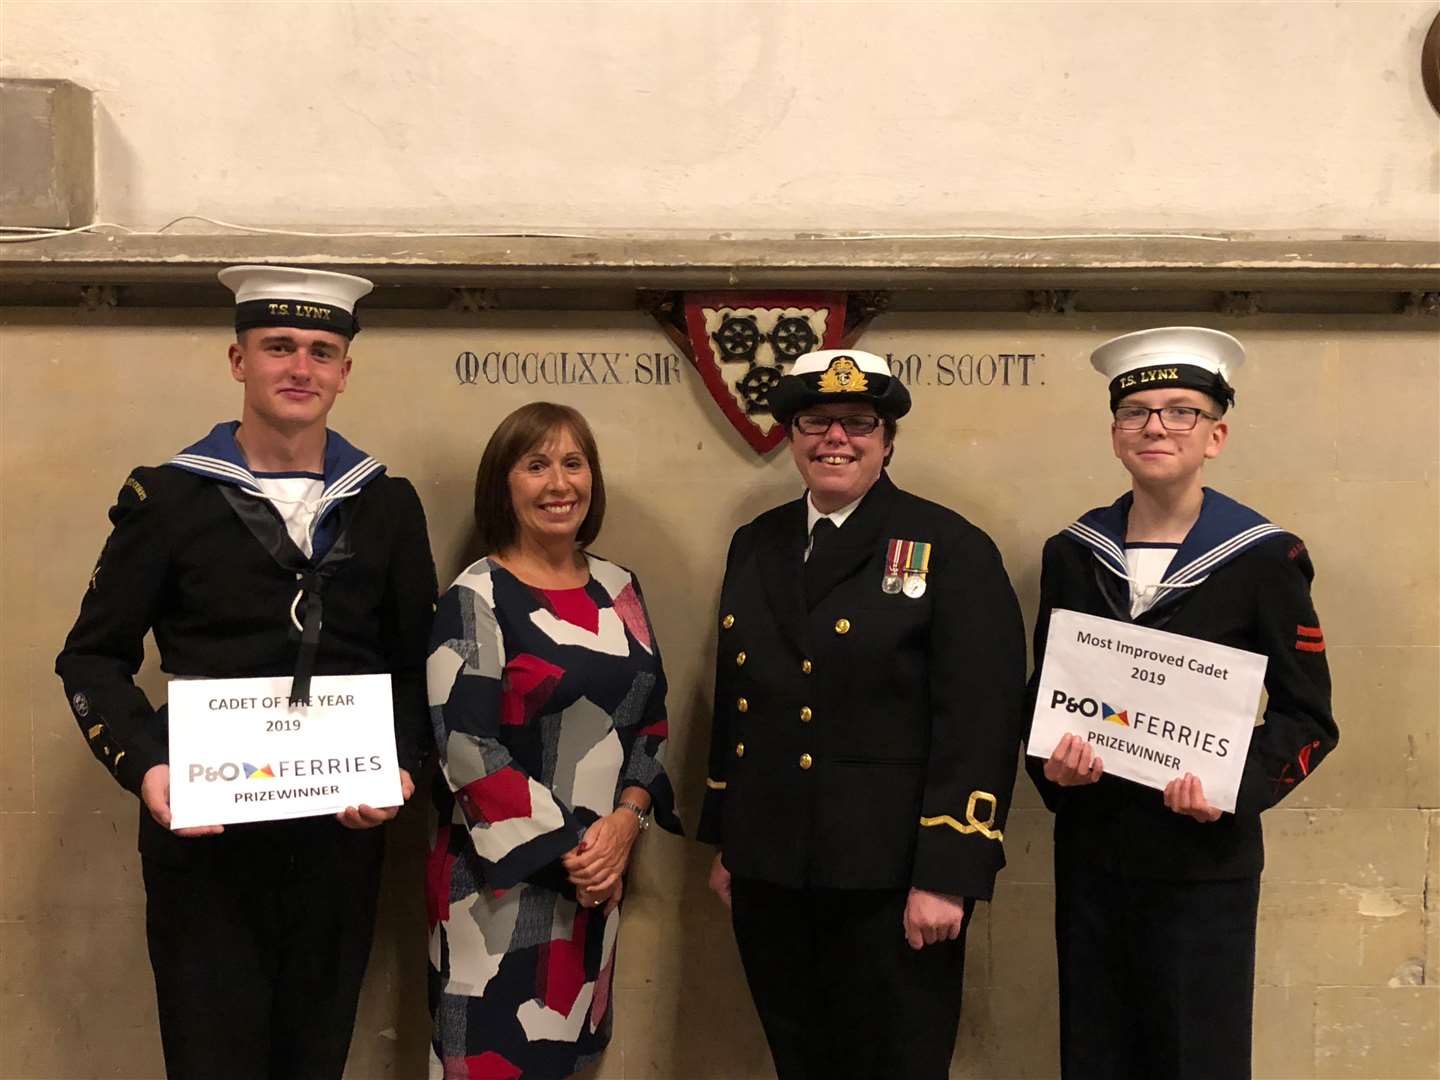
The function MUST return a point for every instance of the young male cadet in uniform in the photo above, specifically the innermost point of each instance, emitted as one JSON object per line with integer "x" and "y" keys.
{"x": 1156, "y": 893}
{"x": 259, "y": 934}
{"x": 868, "y": 706}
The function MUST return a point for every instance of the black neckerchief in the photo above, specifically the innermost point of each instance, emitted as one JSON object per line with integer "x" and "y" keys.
{"x": 266, "y": 525}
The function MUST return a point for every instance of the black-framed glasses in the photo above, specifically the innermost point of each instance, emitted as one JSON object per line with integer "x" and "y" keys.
{"x": 815, "y": 424}
{"x": 1172, "y": 417}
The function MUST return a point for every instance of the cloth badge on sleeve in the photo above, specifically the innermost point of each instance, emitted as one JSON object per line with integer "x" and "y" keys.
{"x": 906, "y": 564}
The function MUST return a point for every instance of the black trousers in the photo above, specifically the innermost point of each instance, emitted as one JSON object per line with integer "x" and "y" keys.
{"x": 1157, "y": 977}
{"x": 259, "y": 953}
{"x": 840, "y": 994}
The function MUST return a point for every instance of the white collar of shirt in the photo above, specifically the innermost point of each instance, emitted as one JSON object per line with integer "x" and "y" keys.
{"x": 837, "y": 516}
{"x": 812, "y": 516}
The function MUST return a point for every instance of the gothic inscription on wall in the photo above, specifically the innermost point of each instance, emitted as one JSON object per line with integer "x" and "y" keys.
{"x": 958, "y": 368}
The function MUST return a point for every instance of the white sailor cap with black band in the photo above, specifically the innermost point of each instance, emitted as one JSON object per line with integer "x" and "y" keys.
{"x": 1184, "y": 357}
{"x": 293, "y": 296}
{"x": 833, "y": 376}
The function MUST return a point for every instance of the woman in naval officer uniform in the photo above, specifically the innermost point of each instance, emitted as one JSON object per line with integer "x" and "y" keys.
{"x": 868, "y": 693}
{"x": 1156, "y": 893}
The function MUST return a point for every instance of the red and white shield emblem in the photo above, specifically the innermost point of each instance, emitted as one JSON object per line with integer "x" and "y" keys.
{"x": 742, "y": 343}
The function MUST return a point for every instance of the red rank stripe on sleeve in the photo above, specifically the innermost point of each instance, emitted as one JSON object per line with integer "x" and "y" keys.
{"x": 1309, "y": 639}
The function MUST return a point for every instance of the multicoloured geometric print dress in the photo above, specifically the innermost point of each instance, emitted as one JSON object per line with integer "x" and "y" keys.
{"x": 546, "y": 704}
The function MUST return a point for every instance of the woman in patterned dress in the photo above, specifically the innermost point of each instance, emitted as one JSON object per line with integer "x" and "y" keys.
{"x": 548, "y": 703}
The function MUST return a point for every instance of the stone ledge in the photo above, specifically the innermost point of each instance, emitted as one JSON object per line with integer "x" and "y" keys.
{"x": 745, "y": 263}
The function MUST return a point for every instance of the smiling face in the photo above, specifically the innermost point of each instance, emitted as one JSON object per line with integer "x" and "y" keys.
{"x": 836, "y": 467}
{"x": 1158, "y": 458}
{"x": 550, "y": 488}
{"x": 291, "y": 376}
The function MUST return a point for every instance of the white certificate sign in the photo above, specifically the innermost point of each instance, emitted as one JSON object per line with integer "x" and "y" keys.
{"x": 1154, "y": 705}
{"x": 241, "y": 750}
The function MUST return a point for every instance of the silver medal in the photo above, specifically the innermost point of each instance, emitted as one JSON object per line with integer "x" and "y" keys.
{"x": 890, "y": 584}
{"x": 914, "y": 586}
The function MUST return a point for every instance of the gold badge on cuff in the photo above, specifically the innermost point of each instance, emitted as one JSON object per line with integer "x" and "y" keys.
{"x": 973, "y": 823}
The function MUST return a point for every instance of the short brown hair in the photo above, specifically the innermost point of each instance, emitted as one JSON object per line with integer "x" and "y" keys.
{"x": 522, "y": 431}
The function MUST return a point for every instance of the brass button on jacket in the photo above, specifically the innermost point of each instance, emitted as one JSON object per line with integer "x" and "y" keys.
{"x": 728, "y": 621}
{"x": 806, "y": 761}
{"x": 740, "y": 659}
{"x": 805, "y": 714}
{"x": 806, "y": 667}
{"x": 740, "y": 749}
{"x": 743, "y": 705}
{"x": 842, "y": 626}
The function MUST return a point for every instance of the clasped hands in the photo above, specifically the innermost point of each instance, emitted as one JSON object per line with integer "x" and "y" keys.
{"x": 596, "y": 867}
{"x": 1074, "y": 763}
{"x": 155, "y": 794}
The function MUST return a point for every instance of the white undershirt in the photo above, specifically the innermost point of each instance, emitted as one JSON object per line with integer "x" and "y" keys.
{"x": 1147, "y": 566}
{"x": 297, "y": 498}
{"x": 813, "y": 515}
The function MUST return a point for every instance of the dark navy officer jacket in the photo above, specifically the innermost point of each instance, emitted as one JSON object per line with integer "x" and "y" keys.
{"x": 867, "y": 740}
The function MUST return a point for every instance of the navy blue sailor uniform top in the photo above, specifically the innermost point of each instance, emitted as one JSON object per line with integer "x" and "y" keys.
{"x": 1237, "y": 580}
{"x": 862, "y": 738}
{"x": 199, "y": 555}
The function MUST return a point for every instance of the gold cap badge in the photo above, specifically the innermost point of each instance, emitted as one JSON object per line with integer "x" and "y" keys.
{"x": 843, "y": 377}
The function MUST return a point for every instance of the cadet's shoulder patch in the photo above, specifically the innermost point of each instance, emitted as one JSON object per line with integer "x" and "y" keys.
{"x": 137, "y": 487}
{"x": 1296, "y": 550}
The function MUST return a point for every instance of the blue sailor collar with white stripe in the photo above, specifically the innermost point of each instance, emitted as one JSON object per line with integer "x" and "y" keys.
{"x": 347, "y": 470}
{"x": 1224, "y": 529}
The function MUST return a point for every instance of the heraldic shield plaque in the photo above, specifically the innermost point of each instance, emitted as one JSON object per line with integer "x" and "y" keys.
{"x": 742, "y": 343}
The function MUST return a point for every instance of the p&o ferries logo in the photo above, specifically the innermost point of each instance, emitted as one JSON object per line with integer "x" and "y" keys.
{"x": 1090, "y": 707}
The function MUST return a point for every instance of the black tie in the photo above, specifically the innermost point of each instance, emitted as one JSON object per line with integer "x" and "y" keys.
{"x": 822, "y": 536}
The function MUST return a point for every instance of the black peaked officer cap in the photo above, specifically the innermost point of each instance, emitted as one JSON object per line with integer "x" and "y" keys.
{"x": 835, "y": 376}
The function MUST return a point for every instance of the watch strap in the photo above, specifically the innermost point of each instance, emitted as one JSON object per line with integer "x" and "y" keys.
{"x": 639, "y": 812}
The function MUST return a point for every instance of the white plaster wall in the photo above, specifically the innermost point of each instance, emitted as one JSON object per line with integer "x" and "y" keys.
{"x": 1279, "y": 117}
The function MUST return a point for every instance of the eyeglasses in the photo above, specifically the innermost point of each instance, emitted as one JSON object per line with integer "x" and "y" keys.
{"x": 814, "y": 424}
{"x": 1172, "y": 417}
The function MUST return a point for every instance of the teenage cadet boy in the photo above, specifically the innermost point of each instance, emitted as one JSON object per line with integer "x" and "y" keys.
{"x": 259, "y": 934}
{"x": 868, "y": 705}
{"x": 1156, "y": 893}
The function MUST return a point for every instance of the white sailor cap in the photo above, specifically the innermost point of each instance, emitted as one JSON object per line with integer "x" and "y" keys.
{"x": 1187, "y": 357}
{"x": 295, "y": 296}
{"x": 839, "y": 375}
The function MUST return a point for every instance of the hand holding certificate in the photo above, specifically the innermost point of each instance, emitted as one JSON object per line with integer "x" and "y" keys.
{"x": 1154, "y": 705}
{"x": 241, "y": 750}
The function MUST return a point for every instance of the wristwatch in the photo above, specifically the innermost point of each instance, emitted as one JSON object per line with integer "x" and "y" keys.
{"x": 643, "y": 815}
